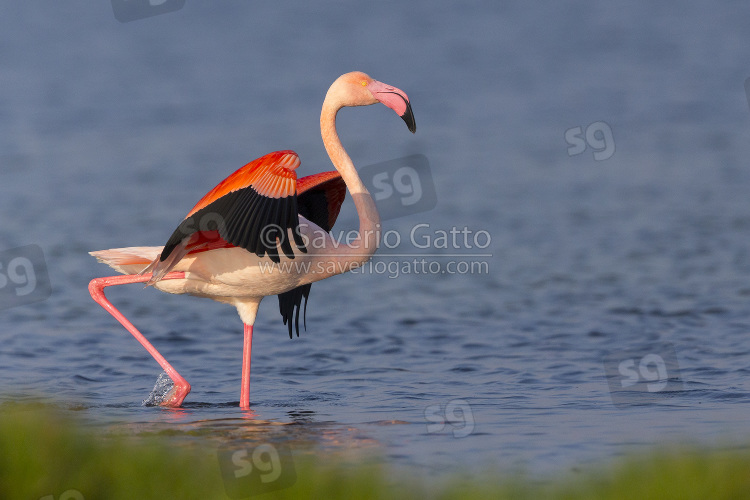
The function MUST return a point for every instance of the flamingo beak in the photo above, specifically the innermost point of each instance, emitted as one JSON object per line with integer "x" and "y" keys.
{"x": 395, "y": 99}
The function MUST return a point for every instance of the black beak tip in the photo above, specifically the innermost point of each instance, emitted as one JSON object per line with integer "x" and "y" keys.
{"x": 408, "y": 117}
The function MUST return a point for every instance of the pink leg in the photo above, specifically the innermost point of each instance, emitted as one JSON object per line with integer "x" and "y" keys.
{"x": 246, "y": 355}
{"x": 96, "y": 288}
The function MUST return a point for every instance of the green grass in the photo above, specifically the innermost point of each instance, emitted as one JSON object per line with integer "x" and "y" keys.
{"x": 46, "y": 455}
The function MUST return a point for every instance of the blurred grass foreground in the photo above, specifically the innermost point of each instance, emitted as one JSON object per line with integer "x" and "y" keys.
{"x": 47, "y": 456}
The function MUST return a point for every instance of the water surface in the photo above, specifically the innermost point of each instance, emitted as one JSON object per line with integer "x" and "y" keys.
{"x": 110, "y": 132}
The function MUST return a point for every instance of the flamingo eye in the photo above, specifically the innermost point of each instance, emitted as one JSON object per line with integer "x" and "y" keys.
{"x": 364, "y": 83}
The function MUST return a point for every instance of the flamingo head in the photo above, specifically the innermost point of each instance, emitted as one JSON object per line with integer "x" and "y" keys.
{"x": 358, "y": 89}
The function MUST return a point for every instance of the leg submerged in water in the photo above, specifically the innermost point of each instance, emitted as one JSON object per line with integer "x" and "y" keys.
{"x": 96, "y": 287}
{"x": 246, "y": 355}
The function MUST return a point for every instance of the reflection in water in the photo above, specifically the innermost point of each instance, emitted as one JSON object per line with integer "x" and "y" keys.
{"x": 302, "y": 434}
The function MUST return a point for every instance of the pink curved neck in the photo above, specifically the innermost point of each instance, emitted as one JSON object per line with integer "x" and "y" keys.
{"x": 366, "y": 244}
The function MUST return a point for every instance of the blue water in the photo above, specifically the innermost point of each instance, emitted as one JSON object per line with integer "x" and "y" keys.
{"x": 110, "y": 132}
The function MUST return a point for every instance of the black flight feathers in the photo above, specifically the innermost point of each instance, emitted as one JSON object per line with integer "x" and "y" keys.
{"x": 248, "y": 220}
{"x": 260, "y": 225}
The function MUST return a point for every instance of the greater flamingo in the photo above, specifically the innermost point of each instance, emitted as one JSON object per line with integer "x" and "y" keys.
{"x": 227, "y": 248}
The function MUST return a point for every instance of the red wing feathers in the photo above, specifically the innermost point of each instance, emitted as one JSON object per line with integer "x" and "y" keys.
{"x": 271, "y": 175}
{"x": 254, "y": 208}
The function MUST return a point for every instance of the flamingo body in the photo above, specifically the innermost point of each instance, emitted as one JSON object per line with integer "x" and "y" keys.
{"x": 261, "y": 232}
{"x": 219, "y": 270}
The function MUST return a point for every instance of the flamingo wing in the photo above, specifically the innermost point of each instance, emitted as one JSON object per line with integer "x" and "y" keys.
{"x": 253, "y": 208}
{"x": 320, "y": 197}
{"x": 319, "y": 200}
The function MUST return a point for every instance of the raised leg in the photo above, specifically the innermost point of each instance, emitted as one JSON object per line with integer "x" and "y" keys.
{"x": 246, "y": 355}
{"x": 96, "y": 288}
